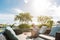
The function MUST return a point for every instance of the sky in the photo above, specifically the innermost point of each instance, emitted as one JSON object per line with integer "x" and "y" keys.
{"x": 10, "y": 8}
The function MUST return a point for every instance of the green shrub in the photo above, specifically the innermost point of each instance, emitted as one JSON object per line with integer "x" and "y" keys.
{"x": 43, "y": 25}
{"x": 22, "y": 26}
{"x": 48, "y": 25}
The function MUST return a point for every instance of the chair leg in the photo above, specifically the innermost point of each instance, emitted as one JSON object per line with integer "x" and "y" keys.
{"x": 57, "y": 36}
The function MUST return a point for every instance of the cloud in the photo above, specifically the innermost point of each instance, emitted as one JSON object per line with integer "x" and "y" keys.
{"x": 17, "y": 10}
{"x": 26, "y": 1}
{"x": 43, "y": 7}
{"x": 36, "y": 8}
{"x": 6, "y": 18}
{"x": 56, "y": 2}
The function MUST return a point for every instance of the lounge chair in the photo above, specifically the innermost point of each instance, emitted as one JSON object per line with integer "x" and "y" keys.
{"x": 53, "y": 35}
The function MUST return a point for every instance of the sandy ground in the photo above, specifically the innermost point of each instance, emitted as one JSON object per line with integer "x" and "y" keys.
{"x": 23, "y": 36}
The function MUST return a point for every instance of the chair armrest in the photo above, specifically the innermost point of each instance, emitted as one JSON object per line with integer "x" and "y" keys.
{"x": 46, "y": 37}
{"x": 47, "y": 31}
{"x": 57, "y": 36}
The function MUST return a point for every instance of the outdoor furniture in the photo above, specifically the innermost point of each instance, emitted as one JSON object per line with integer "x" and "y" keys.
{"x": 47, "y": 31}
{"x": 43, "y": 29}
{"x": 53, "y": 35}
{"x": 57, "y": 36}
{"x": 46, "y": 36}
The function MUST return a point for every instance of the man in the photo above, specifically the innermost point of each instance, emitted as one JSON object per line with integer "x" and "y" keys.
{"x": 34, "y": 31}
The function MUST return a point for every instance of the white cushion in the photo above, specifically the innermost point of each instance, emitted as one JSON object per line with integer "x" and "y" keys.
{"x": 43, "y": 29}
{"x": 47, "y": 37}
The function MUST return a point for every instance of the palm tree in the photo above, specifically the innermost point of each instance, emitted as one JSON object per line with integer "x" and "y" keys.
{"x": 50, "y": 23}
{"x": 44, "y": 19}
{"x": 24, "y": 17}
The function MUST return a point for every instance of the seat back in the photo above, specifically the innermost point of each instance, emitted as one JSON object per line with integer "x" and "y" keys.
{"x": 54, "y": 30}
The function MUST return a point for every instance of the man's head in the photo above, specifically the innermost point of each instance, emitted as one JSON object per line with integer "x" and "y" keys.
{"x": 33, "y": 25}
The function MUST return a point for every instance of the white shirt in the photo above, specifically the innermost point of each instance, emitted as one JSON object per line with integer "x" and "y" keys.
{"x": 35, "y": 28}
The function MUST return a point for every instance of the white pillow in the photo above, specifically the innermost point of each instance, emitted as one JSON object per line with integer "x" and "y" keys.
{"x": 43, "y": 29}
